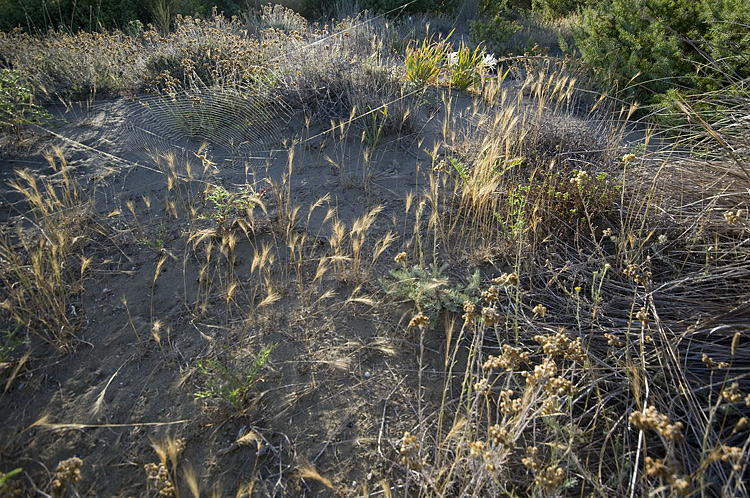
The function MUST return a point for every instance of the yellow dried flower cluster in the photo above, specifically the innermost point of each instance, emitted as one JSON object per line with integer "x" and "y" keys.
{"x": 627, "y": 158}
{"x": 500, "y": 436}
{"x": 733, "y": 216}
{"x": 561, "y": 345}
{"x": 580, "y": 178}
{"x": 400, "y": 258}
{"x": 470, "y": 310}
{"x": 476, "y": 449}
{"x": 560, "y": 386}
{"x": 508, "y": 404}
{"x": 643, "y": 316}
{"x": 67, "y": 472}
{"x": 669, "y": 472}
{"x": 482, "y": 387}
{"x": 540, "y": 310}
{"x": 710, "y": 363}
{"x": 159, "y": 475}
{"x": 613, "y": 340}
{"x": 652, "y": 419}
{"x": 531, "y": 460}
{"x": 545, "y": 370}
{"x": 409, "y": 452}
{"x": 510, "y": 360}
{"x": 419, "y": 320}
{"x": 491, "y": 295}
{"x": 490, "y": 316}
{"x": 732, "y": 393}
{"x": 639, "y": 275}
{"x": 550, "y": 478}
{"x": 506, "y": 280}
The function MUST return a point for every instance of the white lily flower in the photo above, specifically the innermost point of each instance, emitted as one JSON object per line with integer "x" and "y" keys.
{"x": 489, "y": 61}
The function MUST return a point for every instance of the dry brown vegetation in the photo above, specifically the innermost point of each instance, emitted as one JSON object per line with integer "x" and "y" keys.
{"x": 266, "y": 259}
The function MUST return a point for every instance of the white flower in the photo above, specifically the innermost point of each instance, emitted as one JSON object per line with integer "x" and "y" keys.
{"x": 453, "y": 58}
{"x": 488, "y": 61}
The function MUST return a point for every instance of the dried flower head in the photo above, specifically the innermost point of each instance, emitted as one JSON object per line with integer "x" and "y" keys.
{"x": 476, "y": 449}
{"x": 409, "y": 452}
{"x": 482, "y": 387}
{"x": 627, "y": 158}
{"x": 490, "y": 316}
{"x": 506, "y": 280}
{"x": 419, "y": 320}
{"x": 613, "y": 340}
{"x": 500, "y": 436}
{"x": 510, "y": 360}
{"x": 540, "y": 310}
{"x": 67, "y": 472}
{"x": 400, "y": 258}
{"x": 733, "y": 216}
{"x": 508, "y": 404}
{"x": 580, "y": 178}
{"x": 732, "y": 393}
{"x": 643, "y": 316}
{"x": 159, "y": 476}
{"x": 710, "y": 363}
{"x": 650, "y": 418}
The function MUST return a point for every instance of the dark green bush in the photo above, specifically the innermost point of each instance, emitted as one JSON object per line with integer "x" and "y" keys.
{"x": 666, "y": 44}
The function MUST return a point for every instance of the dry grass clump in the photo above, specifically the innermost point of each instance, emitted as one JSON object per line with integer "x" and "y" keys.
{"x": 43, "y": 256}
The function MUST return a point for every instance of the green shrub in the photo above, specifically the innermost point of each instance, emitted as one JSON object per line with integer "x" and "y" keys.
{"x": 17, "y": 105}
{"x": 656, "y": 45}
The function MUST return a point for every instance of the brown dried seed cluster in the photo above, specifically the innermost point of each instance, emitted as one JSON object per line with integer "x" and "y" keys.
{"x": 652, "y": 419}
{"x": 710, "y": 363}
{"x": 733, "y": 216}
{"x": 491, "y": 295}
{"x": 643, "y": 316}
{"x": 670, "y": 472}
{"x": 67, "y": 472}
{"x": 158, "y": 474}
{"x": 732, "y": 393}
{"x": 531, "y": 460}
{"x": 500, "y": 436}
{"x": 560, "y": 386}
{"x": 506, "y": 280}
{"x": 613, "y": 340}
{"x": 510, "y": 360}
{"x": 482, "y": 387}
{"x": 470, "y": 310}
{"x": 561, "y": 345}
{"x": 540, "y": 310}
{"x": 638, "y": 275}
{"x": 490, "y": 316}
{"x": 545, "y": 370}
{"x": 508, "y": 404}
{"x": 476, "y": 449}
{"x": 550, "y": 478}
{"x": 409, "y": 452}
{"x": 420, "y": 320}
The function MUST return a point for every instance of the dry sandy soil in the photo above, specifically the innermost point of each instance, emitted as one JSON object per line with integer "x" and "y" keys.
{"x": 341, "y": 386}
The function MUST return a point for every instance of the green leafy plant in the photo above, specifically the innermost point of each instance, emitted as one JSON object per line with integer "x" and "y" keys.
{"x": 229, "y": 382}
{"x": 157, "y": 242}
{"x": 465, "y": 67}
{"x": 374, "y": 130}
{"x": 10, "y": 343}
{"x": 17, "y": 106}
{"x": 430, "y": 289}
{"x": 228, "y": 206}
{"x": 424, "y": 62}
